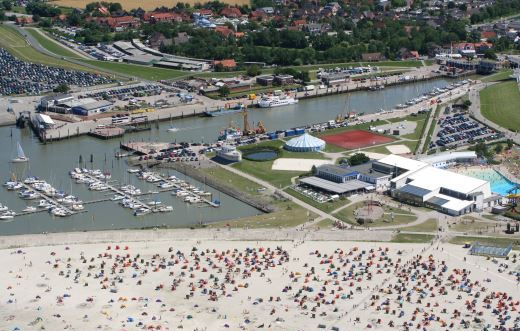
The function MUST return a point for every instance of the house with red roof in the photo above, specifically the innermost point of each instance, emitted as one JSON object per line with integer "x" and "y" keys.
{"x": 226, "y": 63}
{"x": 231, "y": 12}
{"x": 156, "y": 17}
{"x": 225, "y": 31}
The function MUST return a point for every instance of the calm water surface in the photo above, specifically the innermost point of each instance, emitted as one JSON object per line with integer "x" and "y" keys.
{"x": 53, "y": 161}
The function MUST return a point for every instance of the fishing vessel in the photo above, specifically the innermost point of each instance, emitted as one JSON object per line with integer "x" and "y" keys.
{"x": 276, "y": 101}
{"x": 225, "y": 111}
{"x": 20, "y": 155}
{"x": 230, "y": 133}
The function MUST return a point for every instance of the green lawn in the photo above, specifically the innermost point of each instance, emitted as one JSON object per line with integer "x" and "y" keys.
{"x": 430, "y": 225}
{"x": 326, "y": 206}
{"x": 15, "y": 43}
{"x": 412, "y": 238}
{"x": 461, "y": 240}
{"x": 471, "y": 225}
{"x": 324, "y": 224}
{"x": 289, "y": 215}
{"x": 501, "y": 75}
{"x": 232, "y": 179}
{"x": 500, "y": 104}
{"x": 52, "y": 45}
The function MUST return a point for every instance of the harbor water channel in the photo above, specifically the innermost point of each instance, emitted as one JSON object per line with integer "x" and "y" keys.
{"x": 52, "y": 162}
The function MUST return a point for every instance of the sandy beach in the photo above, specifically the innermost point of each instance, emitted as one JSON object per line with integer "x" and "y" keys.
{"x": 277, "y": 285}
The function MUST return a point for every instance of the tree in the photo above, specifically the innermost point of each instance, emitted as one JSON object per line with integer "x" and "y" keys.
{"x": 314, "y": 170}
{"x": 115, "y": 7}
{"x": 490, "y": 54}
{"x": 224, "y": 91}
{"x": 62, "y": 88}
{"x": 2, "y": 16}
{"x": 466, "y": 104}
{"x": 254, "y": 70}
{"x": 7, "y": 5}
{"x": 509, "y": 143}
{"x": 498, "y": 148}
{"x": 358, "y": 158}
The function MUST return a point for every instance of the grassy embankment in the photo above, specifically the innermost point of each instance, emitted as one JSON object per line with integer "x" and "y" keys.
{"x": 501, "y": 75}
{"x": 430, "y": 225}
{"x": 410, "y": 238}
{"x": 134, "y": 70}
{"x": 15, "y": 43}
{"x": 431, "y": 129}
{"x": 401, "y": 216}
{"x": 500, "y": 104}
{"x": 288, "y": 214}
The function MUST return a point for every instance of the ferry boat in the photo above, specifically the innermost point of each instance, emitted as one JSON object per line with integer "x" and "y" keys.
{"x": 276, "y": 101}
{"x": 224, "y": 111}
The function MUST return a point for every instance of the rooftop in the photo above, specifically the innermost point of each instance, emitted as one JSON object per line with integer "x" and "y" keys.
{"x": 432, "y": 178}
{"x": 338, "y": 188}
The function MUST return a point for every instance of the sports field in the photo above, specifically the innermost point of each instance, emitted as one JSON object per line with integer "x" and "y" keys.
{"x": 500, "y": 103}
{"x": 146, "y": 5}
{"x": 356, "y": 139}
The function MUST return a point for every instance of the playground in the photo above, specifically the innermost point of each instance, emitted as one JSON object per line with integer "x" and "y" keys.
{"x": 356, "y": 139}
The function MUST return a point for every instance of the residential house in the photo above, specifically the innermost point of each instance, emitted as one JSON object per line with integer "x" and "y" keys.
{"x": 23, "y": 20}
{"x": 156, "y": 17}
{"x": 118, "y": 23}
{"x": 181, "y": 38}
{"x": 372, "y": 57}
{"x": 158, "y": 40}
{"x": 486, "y": 35}
{"x": 227, "y": 63}
{"x": 225, "y": 31}
{"x": 231, "y": 12}
{"x": 258, "y": 15}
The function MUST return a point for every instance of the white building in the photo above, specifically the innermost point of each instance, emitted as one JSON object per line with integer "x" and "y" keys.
{"x": 448, "y": 159}
{"x": 419, "y": 183}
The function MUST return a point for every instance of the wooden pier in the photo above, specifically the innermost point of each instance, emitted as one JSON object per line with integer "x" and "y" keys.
{"x": 190, "y": 193}
{"x": 49, "y": 199}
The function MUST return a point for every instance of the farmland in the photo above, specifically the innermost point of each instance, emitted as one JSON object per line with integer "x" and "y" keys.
{"x": 134, "y": 4}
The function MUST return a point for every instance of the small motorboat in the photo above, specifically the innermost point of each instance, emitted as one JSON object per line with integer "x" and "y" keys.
{"x": 29, "y": 209}
{"x": 172, "y": 129}
{"x": 142, "y": 211}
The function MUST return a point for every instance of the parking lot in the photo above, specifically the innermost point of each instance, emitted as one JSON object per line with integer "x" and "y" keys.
{"x": 460, "y": 129}
{"x": 314, "y": 195}
{"x": 20, "y": 77}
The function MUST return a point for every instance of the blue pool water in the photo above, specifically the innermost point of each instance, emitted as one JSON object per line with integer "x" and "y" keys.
{"x": 499, "y": 184}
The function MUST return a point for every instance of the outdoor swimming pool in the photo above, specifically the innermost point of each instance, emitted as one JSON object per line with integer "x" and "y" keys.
{"x": 499, "y": 184}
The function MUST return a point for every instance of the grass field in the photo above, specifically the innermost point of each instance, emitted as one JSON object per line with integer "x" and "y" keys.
{"x": 326, "y": 206}
{"x": 52, "y": 46}
{"x": 146, "y": 5}
{"x": 500, "y": 104}
{"x": 461, "y": 240}
{"x": 412, "y": 238}
{"x": 14, "y": 42}
{"x": 401, "y": 216}
{"x": 231, "y": 179}
{"x": 501, "y": 75}
{"x": 289, "y": 215}
{"x": 430, "y": 225}
{"x": 383, "y": 150}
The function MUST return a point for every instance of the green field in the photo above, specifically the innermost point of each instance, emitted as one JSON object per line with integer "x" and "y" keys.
{"x": 493, "y": 241}
{"x": 412, "y": 238}
{"x": 231, "y": 179}
{"x": 325, "y": 206}
{"x": 401, "y": 216}
{"x": 289, "y": 215}
{"x": 500, "y": 103}
{"x": 51, "y": 45}
{"x": 431, "y": 129}
{"x": 501, "y": 75}
{"x": 430, "y": 225}
{"x": 14, "y": 42}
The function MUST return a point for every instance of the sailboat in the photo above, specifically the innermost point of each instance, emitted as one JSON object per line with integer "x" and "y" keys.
{"x": 21, "y": 155}
{"x": 172, "y": 128}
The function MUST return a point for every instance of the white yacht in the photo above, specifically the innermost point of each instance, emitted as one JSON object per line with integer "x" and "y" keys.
{"x": 20, "y": 155}
{"x": 276, "y": 101}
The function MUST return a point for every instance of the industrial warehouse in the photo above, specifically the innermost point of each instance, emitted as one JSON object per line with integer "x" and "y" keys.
{"x": 409, "y": 181}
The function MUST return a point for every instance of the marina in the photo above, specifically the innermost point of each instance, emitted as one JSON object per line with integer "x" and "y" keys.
{"x": 57, "y": 158}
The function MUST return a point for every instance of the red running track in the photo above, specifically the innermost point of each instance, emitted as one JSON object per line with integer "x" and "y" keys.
{"x": 356, "y": 139}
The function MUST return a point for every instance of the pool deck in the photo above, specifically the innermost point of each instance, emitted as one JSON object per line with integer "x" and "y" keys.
{"x": 500, "y": 170}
